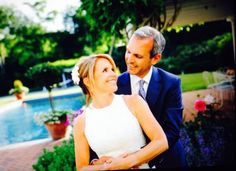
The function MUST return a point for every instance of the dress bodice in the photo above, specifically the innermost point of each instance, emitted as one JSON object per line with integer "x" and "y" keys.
{"x": 113, "y": 130}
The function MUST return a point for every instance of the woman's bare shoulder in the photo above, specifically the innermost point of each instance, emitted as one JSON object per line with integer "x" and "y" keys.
{"x": 132, "y": 99}
{"x": 134, "y": 102}
{"x": 79, "y": 121}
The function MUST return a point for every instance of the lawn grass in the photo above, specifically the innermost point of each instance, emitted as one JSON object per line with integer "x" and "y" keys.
{"x": 192, "y": 81}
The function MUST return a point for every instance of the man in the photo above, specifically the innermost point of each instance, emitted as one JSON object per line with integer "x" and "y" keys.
{"x": 161, "y": 90}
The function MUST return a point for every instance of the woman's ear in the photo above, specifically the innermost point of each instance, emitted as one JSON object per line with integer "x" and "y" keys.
{"x": 156, "y": 59}
{"x": 86, "y": 82}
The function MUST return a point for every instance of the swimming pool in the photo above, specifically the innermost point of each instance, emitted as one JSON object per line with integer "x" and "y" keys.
{"x": 18, "y": 125}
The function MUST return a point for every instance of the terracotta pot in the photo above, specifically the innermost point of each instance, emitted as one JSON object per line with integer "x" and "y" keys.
{"x": 19, "y": 96}
{"x": 57, "y": 131}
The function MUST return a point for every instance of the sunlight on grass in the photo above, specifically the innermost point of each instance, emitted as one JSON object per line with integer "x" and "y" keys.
{"x": 192, "y": 81}
{"x": 65, "y": 62}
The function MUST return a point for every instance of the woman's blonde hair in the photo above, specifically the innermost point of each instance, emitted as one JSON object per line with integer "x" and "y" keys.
{"x": 85, "y": 68}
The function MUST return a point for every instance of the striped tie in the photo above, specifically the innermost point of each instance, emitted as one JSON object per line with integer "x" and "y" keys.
{"x": 141, "y": 91}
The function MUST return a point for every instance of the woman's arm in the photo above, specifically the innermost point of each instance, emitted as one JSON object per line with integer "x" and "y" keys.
{"x": 151, "y": 128}
{"x": 82, "y": 147}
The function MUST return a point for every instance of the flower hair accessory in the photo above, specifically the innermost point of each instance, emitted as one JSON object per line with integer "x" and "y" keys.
{"x": 75, "y": 75}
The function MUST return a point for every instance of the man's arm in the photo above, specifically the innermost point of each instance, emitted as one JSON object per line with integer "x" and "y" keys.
{"x": 93, "y": 156}
{"x": 173, "y": 113}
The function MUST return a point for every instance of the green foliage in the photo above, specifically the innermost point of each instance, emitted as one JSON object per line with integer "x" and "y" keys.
{"x": 61, "y": 158}
{"x": 31, "y": 48}
{"x": 182, "y": 28}
{"x": 108, "y": 16}
{"x": 18, "y": 88}
{"x": 13, "y": 20}
{"x": 48, "y": 74}
{"x": 208, "y": 140}
{"x": 118, "y": 55}
{"x": 206, "y": 55}
{"x": 96, "y": 40}
{"x": 14, "y": 30}
{"x": 65, "y": 63}
{"x": 45, "y": 74}
{"x": 52, "y": 117}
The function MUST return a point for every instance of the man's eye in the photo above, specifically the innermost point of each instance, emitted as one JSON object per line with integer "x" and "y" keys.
{"x": 138, "y": 56}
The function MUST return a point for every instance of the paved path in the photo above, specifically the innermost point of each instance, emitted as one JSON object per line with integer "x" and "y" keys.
{"x": 21, "y": 157}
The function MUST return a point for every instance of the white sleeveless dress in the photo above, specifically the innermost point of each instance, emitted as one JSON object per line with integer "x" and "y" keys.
{"x": 113, "y": 130}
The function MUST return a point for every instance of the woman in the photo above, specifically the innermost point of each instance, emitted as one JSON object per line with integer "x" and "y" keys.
{"x": 112, "y": 125}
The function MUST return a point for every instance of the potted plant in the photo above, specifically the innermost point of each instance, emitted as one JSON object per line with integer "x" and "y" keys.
{"x": 19, "y": 89}
{"x": 49, "y": 75}
{"x": 56, "y": 122}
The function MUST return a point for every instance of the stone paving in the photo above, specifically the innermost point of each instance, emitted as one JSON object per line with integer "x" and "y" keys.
{"x": 21, "y": 158}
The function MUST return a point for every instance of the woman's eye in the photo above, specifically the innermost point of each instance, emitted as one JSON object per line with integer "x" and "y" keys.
{"x": 105, "y": 70}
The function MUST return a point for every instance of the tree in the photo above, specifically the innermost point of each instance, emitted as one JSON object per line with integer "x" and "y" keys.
{"x": 47, "y": 75}
{"x": 118, "y": 19}
{"x": 15, "y": 29}
{"x": 115, "y": 16}
{"x": 90, "y": 39}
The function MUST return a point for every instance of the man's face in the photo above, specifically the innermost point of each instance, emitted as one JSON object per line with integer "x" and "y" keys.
{"x": 137, "y": 56}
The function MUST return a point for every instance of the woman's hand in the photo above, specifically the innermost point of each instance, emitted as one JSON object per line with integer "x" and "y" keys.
{"x": 102, "y": 160}
{"x": 124, "y": 161}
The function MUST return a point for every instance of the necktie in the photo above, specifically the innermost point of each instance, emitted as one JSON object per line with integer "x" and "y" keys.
{"x": 141, "y": 91}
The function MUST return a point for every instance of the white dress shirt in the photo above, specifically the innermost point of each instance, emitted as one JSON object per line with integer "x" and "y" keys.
{"x": 134, "y": 80}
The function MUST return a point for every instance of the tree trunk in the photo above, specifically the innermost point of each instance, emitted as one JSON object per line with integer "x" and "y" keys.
{"x": 112, "y": 45}
{"x": 51, "y": 99}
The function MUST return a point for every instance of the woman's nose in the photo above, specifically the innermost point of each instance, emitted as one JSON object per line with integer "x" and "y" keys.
{"x": 114, "y": 73}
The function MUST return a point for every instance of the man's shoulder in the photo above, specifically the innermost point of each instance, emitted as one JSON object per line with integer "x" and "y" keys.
{"x": 165, "y": 74}
{"x": 123, "y": 78}
{"x": 123, "y": 75}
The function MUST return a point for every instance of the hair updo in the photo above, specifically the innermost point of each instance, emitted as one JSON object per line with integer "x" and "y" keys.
{"x": 84, "y": 68}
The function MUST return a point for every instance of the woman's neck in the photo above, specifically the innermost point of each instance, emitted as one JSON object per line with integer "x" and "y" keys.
{"x": 102, "y": 100}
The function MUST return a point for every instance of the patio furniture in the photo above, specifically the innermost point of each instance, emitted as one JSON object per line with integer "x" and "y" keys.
{"x": 221, "y": 86}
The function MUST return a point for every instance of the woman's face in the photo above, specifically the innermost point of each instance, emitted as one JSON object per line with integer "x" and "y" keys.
{"x": 105, "y": 78}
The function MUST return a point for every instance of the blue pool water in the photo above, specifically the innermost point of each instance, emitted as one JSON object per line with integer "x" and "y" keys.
{"x": 18, "y": 125}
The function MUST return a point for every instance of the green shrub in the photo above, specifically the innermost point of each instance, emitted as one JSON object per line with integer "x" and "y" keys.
{"x": 60, "y": 158}
{"x": 205, "y": 55}
{"x": 45, "y": 74}
{"x": 208, "y": 140}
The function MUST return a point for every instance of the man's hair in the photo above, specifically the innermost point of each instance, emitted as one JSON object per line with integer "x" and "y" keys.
{"x": 148, "y": 32}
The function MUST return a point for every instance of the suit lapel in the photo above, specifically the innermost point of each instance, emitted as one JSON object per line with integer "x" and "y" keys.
{"x": 124, "y": 85}
{"x": 154, "y": 89}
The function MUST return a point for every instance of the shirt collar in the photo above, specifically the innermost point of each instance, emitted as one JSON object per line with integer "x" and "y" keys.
{"x": 146, "y": 78}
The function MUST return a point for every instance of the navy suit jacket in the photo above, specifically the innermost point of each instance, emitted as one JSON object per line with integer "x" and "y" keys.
{"x": 164, "y": 98}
